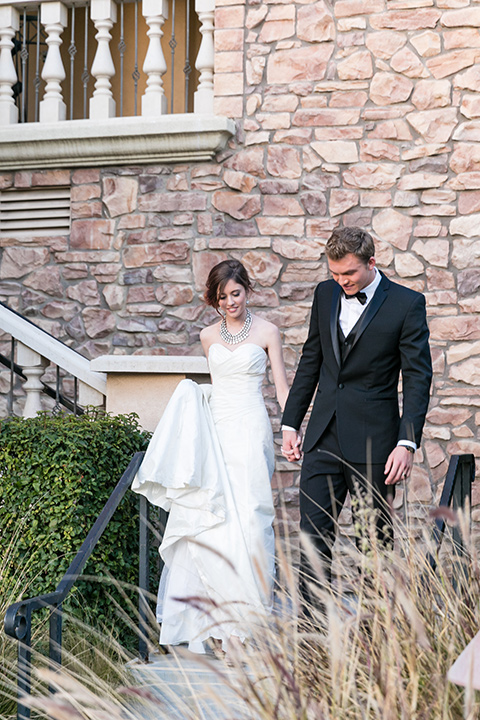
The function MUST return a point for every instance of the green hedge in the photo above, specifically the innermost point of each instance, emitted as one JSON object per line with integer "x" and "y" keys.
{"x": 56, "y": 474}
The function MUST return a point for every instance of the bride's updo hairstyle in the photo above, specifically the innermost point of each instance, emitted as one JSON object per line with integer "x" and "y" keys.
{"x": 219, "y": 276}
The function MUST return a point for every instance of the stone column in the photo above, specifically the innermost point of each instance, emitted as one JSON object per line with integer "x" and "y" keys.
{"x": 203, "y": 99}
{"x": 154, "y": 101}
{"x": 33, "y": 366}
{"x": 104, "y": 15}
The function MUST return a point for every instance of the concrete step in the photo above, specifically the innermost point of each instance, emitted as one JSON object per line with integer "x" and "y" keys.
{"x": 183, "y": 686}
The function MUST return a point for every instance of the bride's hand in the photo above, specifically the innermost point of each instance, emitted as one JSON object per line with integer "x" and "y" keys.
{"x": 291, "y": 444}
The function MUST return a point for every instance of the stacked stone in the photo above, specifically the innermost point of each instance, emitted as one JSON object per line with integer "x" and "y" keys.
{"x": 354, "y": 112}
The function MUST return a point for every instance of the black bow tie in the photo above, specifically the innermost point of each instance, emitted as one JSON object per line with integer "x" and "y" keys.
{"x": 361, "y": 296}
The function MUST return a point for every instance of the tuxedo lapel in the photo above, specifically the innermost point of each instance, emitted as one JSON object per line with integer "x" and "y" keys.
{"x": 334, "y": 314}
{"x": 366, "y": 318}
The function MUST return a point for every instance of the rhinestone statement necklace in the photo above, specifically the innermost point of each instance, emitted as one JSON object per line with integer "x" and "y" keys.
{"x": 242, "y": 334}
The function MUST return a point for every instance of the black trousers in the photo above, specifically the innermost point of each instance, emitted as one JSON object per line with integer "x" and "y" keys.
{"x": 325, "y": 480}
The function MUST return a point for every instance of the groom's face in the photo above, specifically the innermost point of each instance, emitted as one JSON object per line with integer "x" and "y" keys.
{"x": 352, "y": 273}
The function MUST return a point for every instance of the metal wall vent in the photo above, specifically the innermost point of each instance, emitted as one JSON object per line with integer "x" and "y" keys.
{"x": 35, "y": 213}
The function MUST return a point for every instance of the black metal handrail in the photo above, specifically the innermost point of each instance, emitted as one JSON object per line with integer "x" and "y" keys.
{"x": 18, "y": 617}
{"x": 456, "y": 493}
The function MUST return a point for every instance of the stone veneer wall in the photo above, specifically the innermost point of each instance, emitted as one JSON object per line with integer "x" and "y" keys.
{"x": 355, "y": 112}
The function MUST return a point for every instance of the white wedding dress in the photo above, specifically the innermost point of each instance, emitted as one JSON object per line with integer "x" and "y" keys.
{"x": 210, "y": 463}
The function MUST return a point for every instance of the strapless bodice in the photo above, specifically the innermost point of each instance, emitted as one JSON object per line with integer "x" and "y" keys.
{"x": 237, "y": 374}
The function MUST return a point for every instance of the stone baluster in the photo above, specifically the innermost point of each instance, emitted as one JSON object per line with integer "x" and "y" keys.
{"x": 9, "y": 24}
{"x": 154, "y": 101}
{"x": 33, "y": 366}
{"x": 203, "y": 99}
{"x": 104, "y": 15}
{"x": 53, "y": 16}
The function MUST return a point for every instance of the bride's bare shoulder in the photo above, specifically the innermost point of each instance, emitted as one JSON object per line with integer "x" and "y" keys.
{"x": 209, "y": 333}
{"x": 266, "y": 326}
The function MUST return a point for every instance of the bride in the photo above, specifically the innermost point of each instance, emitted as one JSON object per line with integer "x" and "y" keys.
{"x": 209, "y": 463}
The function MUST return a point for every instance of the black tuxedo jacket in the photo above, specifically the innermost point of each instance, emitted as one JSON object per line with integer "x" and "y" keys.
{"x": 362, "y": 391}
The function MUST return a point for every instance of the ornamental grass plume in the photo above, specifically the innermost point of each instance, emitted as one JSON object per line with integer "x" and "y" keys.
{"x": 378, "y": 644}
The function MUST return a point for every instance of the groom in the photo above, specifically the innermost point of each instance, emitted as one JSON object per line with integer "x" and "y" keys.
{"x": 364, "y": 331}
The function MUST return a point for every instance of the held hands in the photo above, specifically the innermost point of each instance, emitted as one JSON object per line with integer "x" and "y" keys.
{"x": 291, "y": 444}
{"x": 399, "y": 465}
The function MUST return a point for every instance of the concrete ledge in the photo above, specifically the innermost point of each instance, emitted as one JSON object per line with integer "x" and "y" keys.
{"x": 117, "y": 141}
{"x": 178, "y": 364}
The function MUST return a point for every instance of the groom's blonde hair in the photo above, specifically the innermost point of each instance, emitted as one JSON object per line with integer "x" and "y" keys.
{"x": 350, "y": 240}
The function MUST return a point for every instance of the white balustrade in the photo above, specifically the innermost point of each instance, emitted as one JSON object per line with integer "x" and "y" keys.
{"x": 33, "y": 366}
{"x": 9, "y": 24}
{"x": 104, "y": 15}
{"x": 54, "y": 16}
{"x": 154, "y": 101}
{"x": 203, "y": 98}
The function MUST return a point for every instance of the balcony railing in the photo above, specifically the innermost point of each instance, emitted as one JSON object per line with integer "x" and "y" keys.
{"x": 99, "y": 82}
{"x": 101, "y": 59}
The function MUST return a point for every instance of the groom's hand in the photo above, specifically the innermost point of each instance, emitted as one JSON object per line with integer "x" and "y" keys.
{"x": 398, "y": 466}
{"x": 291, "y": 444}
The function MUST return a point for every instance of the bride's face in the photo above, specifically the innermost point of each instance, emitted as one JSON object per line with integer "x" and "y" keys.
{"x": 233, "y": 300}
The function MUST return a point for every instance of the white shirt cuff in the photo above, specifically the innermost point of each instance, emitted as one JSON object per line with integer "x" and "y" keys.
{"x": 407, "y": 443}
{"x": 287, "y": 427}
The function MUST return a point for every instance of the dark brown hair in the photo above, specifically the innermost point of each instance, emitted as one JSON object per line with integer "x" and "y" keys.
{"x": 350, "y": 240}
{"x": 219, "y": 276}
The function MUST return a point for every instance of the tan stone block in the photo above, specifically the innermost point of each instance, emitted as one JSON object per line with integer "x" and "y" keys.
{"x": 230, "y": 17}
{"x": 239, "y": 181}
{"x": 465, "y": 181}
{"x": 22, "y": 179}
{"x": 468, "y": 226}
{"x": 202, "y": 263}
{"x": 341, "y": 201}
{"x": 465, "y": 157}
{"x": 470, "y": 106}
{"x": 120, "y": 195}
{"x": 391, "y": 130}
{"x": 435, "y": 252}
{"x": 462, "y": 38}
{"x": 467, "y": 372}
{"x": 254, "y": 70}
{"x": 455, "y": 328}
{"x": 375, "y": 199}
{"x": 255, "y": 16}
{"x": 315, "y": 23}
{"x": 468, "y": 131}
{"x": 264, "y": 297}
{"x": 298, "y": 250}
{"x": 419, "y": 488}
{"x": 408, "y": 63}
{"x": 98, "y": 322}
{"x": 462, "y": 432}
{"x": 344, "y": 25}
{"x": 439, "y": 279}
{"x": 407, "y": 265}
{"x": 314, "y": 202}
{"x": 226, "y": 40}
{"x": 281, "y": 226}
{"x": 370, "y": 176}
{"x": 405, "y": 20}
{"x": 275, "y": 30}
{"x": 249, "y": 161}
{"x": 239, "y": 243}
{"x": 228, "y": 84}
{"x": 428, "y": 227}
{"x": 387, "y": 88}
{"x": 349, "y": 98}
{"x": 429, "y": 94}
{"x": 340, "y": 151}
{"x": 393, "y": 227}
{"x": 308, "y": 118}
{"x": 228, "y": 62}
{"x": 338, "y": 133}
{"x": 283, "y": 162}
{"x": 298, "y": 136}
{"x": 82, "y": 193}
{"x": 144, "y": 255}
{"x": 86, "y": 210}
{"x": 280, "y": 103}
{"x": 421, "y": 180}
{"x": 427, "y": 44}
{"x": 383, "y": 252}
{"x": 50, "y": 177}
{"x": 434, "y": 125}
{"x": 469, "y": 80}
{"x": 314, "y": 101}
{"x": 238, "y": 205}
{"x": 231, "y": 107}
{"x": 347, "y": 8}
{"x": 451, "y": 63}
{"x": 378, "y": 150}
{"x": 85, "y": 292}
{"x": 263, "y": 267}
{"x": 311, "y": 161}
{"x": 274, "y": 121}
{"x": 46, "y": 279}
{"x": 282, "y": 205}
{"x": 470, "y": 305}
{"x": 423, "y": 151}
{"x": 92, "y": 234}
{"x": 469, "y": 202}
{"x": 462, "y": 351}
{"x": 409, "y": 4}
{"x": 357, "y": 66}
{"x": 385, "y": 43}
{"x": 261, "y": 137}
{"x": 306, "y": 63}
{"x": 467, "y": 17}
{"x": 85, "y": 175}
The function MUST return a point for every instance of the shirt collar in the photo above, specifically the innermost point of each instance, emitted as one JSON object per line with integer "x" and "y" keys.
{"x": 369, "y": 290}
